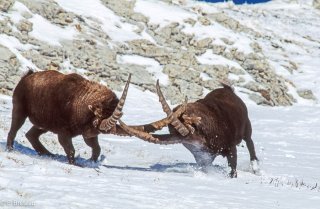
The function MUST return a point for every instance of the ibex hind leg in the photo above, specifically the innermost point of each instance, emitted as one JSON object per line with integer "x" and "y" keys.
{"x": 232, "y": 161}
{"x": 251, "y": 149}
{"x": 33, "y": 136}
{"x": 249, "y": 142}
{"x": 18, "y": 118}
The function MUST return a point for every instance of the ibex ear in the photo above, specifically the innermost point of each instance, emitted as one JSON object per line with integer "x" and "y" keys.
{"x": 91, "y": 108}
{"x": 95, "y": 110}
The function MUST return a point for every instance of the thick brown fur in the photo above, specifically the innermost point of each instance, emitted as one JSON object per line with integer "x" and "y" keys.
{"x": 224, "y": 123}
{"x": 59, "y": 103}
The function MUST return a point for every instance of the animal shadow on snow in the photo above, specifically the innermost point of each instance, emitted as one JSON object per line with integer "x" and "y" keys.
{"x": 158, "y": 167}
{"x": 81, "y": 162}
{"x": 173, "y": 168}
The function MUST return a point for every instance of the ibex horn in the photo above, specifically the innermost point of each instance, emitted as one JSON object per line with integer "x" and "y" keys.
{"x": 156, "y": 139}
{"x": 110, "y": 122}
{"x": 175, "y": 122}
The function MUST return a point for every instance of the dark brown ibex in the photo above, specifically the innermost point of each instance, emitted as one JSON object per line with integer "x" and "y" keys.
{"x": 208, "y": 127}
{"x": 68, "y": 105}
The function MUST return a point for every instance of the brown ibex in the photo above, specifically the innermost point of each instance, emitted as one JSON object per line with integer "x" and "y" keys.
{"x": 68, "y": 105}
{"x": 211, "y": 126}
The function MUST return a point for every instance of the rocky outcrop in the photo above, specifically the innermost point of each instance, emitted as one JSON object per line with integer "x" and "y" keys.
{"x": 9, "y": 71}
{"x": 306, "y": 94}
{"x": 316, "y": 4}
{"x": 5, "y": 26}
{"x": 175, "y": 50}
{"x": 271, "y": 87}
{"x": 231, "y": 23}
{"x": 25, "y": 26}
{"x": 51, "y": 11}
{"x": 6, "y": 4}
{"x": 125, "y": 9}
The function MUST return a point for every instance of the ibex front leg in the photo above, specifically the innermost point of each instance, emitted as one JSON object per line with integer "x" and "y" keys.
{"x": 94, "y": 144}
{"x": 66, "y": 143}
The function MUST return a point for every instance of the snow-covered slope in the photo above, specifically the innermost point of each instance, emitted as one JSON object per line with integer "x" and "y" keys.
{"x": 134, "y": 174}
{"x": 263, "y": 49}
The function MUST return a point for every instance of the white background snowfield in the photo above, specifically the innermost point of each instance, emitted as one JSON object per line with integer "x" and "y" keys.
{"x": 135, "y": 174}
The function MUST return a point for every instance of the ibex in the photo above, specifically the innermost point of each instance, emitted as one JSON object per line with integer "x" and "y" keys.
{"x": 68, "y": 105}
{"x": 211, "y": 126}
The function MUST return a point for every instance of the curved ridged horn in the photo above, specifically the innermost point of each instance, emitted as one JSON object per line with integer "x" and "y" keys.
{"x": 152, "y": 138}
{"x": 175, "y": 122}
{"x": 158, "y": 125}
{"x": 110, "y": 122}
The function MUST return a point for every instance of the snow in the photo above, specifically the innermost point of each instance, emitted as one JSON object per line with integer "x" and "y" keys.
{"x": 135, "y": 174}
{"x": 42, "y": 28}
{"x": 110, "y": 22}
{"x": 153, "y": 66}
{"x": 297, "y": 38}
{"x": 205, "y": 76}
{"x": 232, "y": 76}
{"x": 50, "y": 33}
{"x": 16, "y": 13}
{"x": 209, "y": 58}
{"x": 217, "y": 32}
{"x": 162, "y": 13}
{"x": 14, "y": 45}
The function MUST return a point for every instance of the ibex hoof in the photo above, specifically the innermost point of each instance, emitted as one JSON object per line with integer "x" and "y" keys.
{"x": 233, "y": 174}
{"x": 9, "y": 148}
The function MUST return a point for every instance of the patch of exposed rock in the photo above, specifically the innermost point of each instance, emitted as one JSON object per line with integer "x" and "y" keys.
{"x": 271, "y": 87}
{"x": 9, "y": 70}
{"x": 5, "y": 26}
{"x": 5, "y": 5}
{"x": 306, "y": 94}
{"x": 231, "y": 23}
{"x": 25, "y": 26}
{"x": 125, "y": 9}
{"x": 50, "y": 10}
{"x": 316, "y": 4}
{"x": 175, "y": 50}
